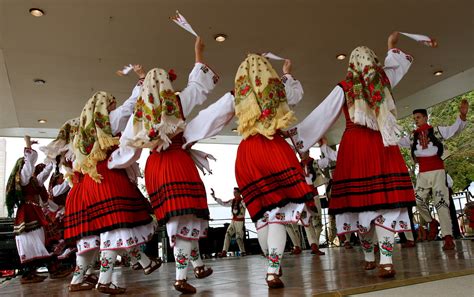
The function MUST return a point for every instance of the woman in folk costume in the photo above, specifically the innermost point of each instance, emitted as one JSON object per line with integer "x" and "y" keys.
{"x": 25, "y": 190}
{"x": 371, "y": 186}
{"x": 177, "y": 194}
{"x": 62, "y": 148}
{"x": 268, "y": 174}
{"x": 111, "y": 207}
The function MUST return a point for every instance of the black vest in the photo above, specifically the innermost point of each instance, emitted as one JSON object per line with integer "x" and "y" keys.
{"x": 432, "y": 138}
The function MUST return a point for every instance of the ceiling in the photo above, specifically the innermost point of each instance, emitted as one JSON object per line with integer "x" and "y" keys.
{"x": 77, "y": 46}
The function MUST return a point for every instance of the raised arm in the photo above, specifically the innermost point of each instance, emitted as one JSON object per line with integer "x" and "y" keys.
{"x": 119, "y": 116}
{"x": 211, "y": 120}
{"x": 293, "y": 88}
{"x": 397, "y": 62}
{"x": 460, "y": 123}
{"x": 317, "y": 123}
{"x": 43, "y": 175}
{"x": 201, "y": 82}
{"x": 30, "y": 157}
{"x": 125, "y": 156}
{"x": 219, "y": 201}
{"x": 60, "y": 189}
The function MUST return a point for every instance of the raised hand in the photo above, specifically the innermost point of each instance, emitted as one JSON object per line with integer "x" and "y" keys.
{"x": 287, "y": 66}
{"x": 139, "y": 70}
{"x": 463, "y": 109}
{"x": 393, "y": 40}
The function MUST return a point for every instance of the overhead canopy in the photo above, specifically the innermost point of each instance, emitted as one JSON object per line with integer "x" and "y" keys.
{"x": 77, "y": 46}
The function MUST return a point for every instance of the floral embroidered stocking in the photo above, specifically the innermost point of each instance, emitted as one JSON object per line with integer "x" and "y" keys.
{"x": 276, "y": 247}
{"x": 136, "y": 255}
{"x": 107, "y": 261}
{"x": 84, "y": 262}
{"x": 195, "y": 256}
{"x": 386, "y": 240}
{"x": 182, "y": 251}
{"x": 367, "y": 244}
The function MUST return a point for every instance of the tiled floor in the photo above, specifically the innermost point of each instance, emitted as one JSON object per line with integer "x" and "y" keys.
{"x": 304, "y": 274}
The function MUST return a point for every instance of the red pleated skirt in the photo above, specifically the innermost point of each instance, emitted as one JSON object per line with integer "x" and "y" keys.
{"x": 113, "y": 203}
{"x": 174, "y": 185}
{"x": 269, "y": 175}
{"x": 368, "y": 175}
{"x": 74, "y": 226}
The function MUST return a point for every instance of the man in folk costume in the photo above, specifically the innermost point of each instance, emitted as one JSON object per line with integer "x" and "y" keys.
{"x": 426, "y": 145}
{"x": 314, "y": 177}
{"x": 25, "y": 190}
{"x": 371, "y": 187}
{"x": 267, "y": 171}
{"x": 237, "y": 224}
{"x": 176, "y": 191}
{"x": 112, "y": 207}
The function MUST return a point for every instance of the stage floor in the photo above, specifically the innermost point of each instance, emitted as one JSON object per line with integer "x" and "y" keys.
{"x": 304, "y": 275}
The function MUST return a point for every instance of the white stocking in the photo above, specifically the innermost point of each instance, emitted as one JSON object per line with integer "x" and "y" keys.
{"x": 262, "y": 235}
{"x": 276, "y": 247}
{"x": 136, "y": 255}
{"x": 182, "y": 252}
{"x": 367, "y": 244}
{"x": 195, "y": 256}
{"x": 386, "y": 240}
{"x": 84, "y": 262}
{"x": 107, "y": 262}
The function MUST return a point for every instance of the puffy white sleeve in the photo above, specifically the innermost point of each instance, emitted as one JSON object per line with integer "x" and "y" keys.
{"x": 26, "y": 173}
{"x": 211, "y": 120}
{"x": 317, "y": 123}
{"x": 60, "y": 189}
{"x": 201, "y": 82}
{"x": 293, "y": 89}
{"x": 396, "y": 66}
{"x": 404, "y": 142}
{"x": 125, "y": 155}
{"x": 43, "y": 176}
{"x": 449, "y": 181}
{"x": 119, "y": 116}
{"x": 450, "y": 131}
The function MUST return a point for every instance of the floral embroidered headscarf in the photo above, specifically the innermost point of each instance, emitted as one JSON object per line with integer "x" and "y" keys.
{"x": 94, "y": 137}
{"x": 368, "y": 95}
{"x": 260, "y": 99}
{"x": 63, "y": 142}
{"x": 158, "y": 115}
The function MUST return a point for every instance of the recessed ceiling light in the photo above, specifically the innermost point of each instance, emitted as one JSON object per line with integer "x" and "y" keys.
{"x": 177, "y": 93}
{"x": 39, "y": 81}
{"x": 438, "y": 73}
{"x": 406, "y": 106}
{"x": 220, "y": 37}
{"x": 36, "y": 12}
{"x": 42, "y": 121}
{"x": 341, "y": 56}
{"x": 234, "y": 129}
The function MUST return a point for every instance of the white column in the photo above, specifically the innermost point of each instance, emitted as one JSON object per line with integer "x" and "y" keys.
{"x": 3, "y": 177}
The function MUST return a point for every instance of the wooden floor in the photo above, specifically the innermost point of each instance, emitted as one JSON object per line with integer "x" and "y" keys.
{"x": 304, "y": 275}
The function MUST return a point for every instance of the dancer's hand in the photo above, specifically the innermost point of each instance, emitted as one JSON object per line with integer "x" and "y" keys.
{"x": 199, "y": 50}
{"x": 393, "y": 39}
{"x": 463, "y": 109}
{"x": 139, "y": 70}
{"x": 287, "y": 67}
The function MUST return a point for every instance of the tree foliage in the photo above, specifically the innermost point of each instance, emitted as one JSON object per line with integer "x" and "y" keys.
{"x": 459, "y": 164}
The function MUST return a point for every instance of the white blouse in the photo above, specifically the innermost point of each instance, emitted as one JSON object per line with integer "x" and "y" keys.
{"x": 201, "y": 82}
{"x": 210, "y": 121}
{"x": 318, "y": 122}
{"x": 28, "y": 168}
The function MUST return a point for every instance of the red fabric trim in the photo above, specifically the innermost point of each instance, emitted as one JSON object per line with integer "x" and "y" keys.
{"x": 430, "y": 163}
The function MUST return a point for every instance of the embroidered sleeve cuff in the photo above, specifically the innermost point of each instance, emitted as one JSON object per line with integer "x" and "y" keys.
{"x": 398, "y": 51}
{"x": 208, "y": 71}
